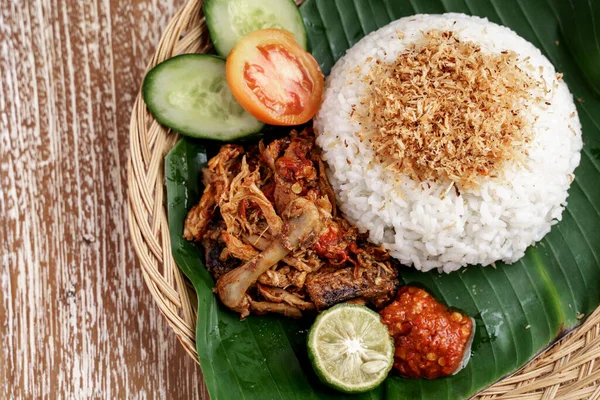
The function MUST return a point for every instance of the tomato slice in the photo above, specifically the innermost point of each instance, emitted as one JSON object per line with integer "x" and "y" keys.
{"x": 275, "y": 79}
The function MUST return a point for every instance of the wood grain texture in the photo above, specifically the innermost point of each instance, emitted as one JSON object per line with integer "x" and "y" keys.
{"x": 77, "y": 321}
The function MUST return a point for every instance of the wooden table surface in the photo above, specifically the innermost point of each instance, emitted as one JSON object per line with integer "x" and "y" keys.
{"x": 77, "y": 321}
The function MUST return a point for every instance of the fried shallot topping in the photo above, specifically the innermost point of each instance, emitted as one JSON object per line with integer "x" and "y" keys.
{"x": 446, "y": 111}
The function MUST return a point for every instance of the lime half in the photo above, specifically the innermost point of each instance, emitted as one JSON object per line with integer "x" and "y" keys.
{"x": 350, "y": 348}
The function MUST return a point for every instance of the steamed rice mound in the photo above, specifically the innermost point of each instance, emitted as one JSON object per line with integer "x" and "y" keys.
{"x": 435, "y": 220}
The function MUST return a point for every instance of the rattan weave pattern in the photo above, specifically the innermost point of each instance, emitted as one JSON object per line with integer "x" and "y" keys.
{"x": 569, "y": 370}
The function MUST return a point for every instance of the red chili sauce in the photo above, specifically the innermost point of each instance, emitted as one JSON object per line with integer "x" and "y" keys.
{"x": 430, "y": 339}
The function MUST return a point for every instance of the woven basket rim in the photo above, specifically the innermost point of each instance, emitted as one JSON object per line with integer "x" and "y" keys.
{"x": 543, "y": 377}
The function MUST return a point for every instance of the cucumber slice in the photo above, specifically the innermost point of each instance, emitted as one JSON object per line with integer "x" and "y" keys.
{"x": 189, "y": 94}
{"x": 230, "y": 20}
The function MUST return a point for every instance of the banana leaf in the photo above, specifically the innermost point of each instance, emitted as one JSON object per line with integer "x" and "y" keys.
{"x": 520, "y": 309}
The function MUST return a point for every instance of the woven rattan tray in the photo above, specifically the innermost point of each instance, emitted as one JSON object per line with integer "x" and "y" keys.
{"x": 568, "y": 370}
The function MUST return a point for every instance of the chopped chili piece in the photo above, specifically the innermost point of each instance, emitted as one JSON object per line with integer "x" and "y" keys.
{"x": 430, "y": 339}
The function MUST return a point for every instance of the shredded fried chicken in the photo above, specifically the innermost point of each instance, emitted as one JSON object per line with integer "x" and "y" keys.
{"x": 221, "y": 169}
{"x": 246, "y": 226}
{"x": 446, "y": 111}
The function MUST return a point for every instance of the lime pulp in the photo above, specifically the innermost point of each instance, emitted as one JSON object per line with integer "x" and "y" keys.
{"x": 350, "y": 348}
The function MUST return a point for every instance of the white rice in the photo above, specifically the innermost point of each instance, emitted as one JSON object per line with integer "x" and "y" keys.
{"x": 425, "y": 226}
